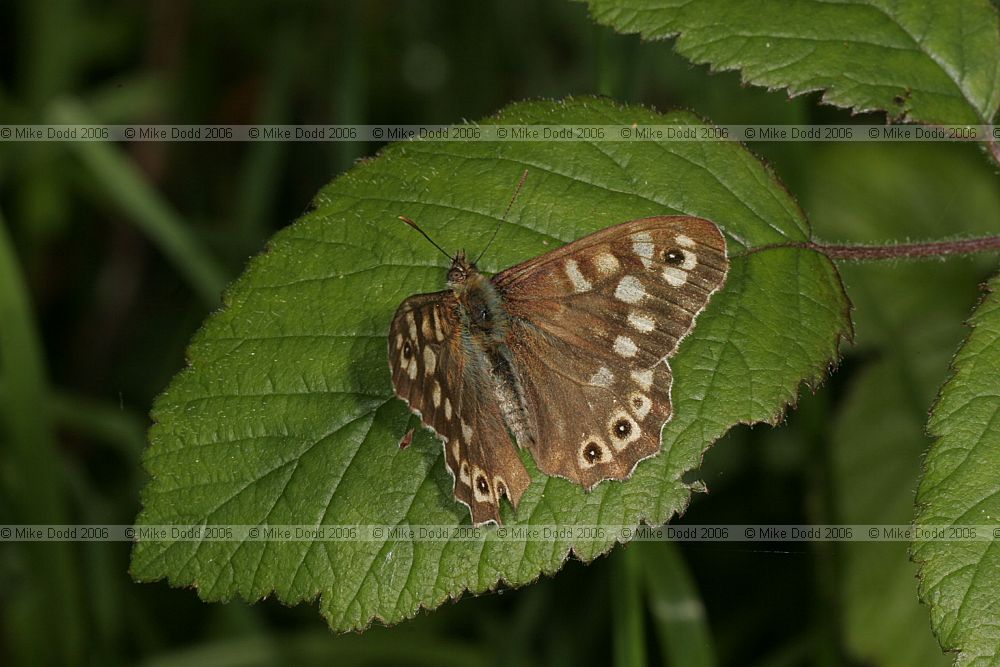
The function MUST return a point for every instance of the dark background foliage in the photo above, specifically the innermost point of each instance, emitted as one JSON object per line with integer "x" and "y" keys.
{"x": 113, "y": 314}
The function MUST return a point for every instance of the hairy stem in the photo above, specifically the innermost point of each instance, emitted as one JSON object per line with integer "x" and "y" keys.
{"x": 898, "y": 251}
{"x": 993, "y": 146}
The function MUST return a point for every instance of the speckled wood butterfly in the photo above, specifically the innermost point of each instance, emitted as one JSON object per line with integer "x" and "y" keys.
{"x": 567, "y": 352}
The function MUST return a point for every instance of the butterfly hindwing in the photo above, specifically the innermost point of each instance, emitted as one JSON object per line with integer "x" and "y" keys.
{"x": 483, "y": 459}
{"x": 592, "y": 424}
{"x": 434, "y": 372}
{"x": 592, "y": 325}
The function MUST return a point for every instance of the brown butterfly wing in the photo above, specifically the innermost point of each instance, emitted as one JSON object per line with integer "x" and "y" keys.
{"x": 592, "y": 425}
{"x": 592, "y": 326}
{"x": 444, "y": 385}
{"x": 486, "y": 459}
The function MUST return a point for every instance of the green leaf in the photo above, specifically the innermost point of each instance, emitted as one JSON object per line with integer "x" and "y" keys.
{"x": 959, "y": 579}
{"x": 917, "y": 59}
{"x": 286, "y": 414}
{"x": 876, "y": 440}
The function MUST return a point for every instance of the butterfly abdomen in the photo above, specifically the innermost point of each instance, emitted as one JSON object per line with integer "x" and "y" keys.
{"x": 509, "y": 391}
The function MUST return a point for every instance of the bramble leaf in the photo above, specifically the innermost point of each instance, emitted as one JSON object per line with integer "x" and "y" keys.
{"x": 917, "y": 60}
{"x": 286, "y": 413}
{"x": 959, "y": 579}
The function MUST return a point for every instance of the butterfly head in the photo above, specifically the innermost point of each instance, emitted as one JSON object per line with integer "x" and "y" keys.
{"x": 461, "y": 270}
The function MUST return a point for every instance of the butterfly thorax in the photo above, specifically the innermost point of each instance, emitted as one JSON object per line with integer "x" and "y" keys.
{"x": 482, "y": 312}
{"x": 485, "y": 329}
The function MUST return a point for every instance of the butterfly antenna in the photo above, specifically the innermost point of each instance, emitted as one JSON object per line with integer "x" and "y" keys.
{"x": 424, "y": 234}
{"x": 520, "y": 184}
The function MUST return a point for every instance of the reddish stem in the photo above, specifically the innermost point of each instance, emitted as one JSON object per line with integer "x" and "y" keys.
{"x": 900, "y": 251}
{"x": 909, "y": 250}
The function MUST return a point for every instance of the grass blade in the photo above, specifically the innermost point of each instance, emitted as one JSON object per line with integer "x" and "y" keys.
{"x": 145, "y": 207}
{"x": 678, "y": 614}
{"x": 36, "y": 490}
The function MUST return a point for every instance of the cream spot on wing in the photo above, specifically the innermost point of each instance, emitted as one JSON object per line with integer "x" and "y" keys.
{"x": 591, "y": 452}
{"x": 447, "y": 408}
{"x": 466, "y": 431}
{"x": 630, "y": 290}
{"x": 438, "y": 332}
{"x": 643, "y": 247}
{"x": 480, "y": 485}
{"x": 399, "y": 341}
{"x": 674, "y": 276}
{"x": 412, "y": 324}
{"x": 436, "y": 393}
{"x": 690, "y": 261}
{"x": 456, "y": 450}
{"x": 684, "y": 241}
{"x": 430, "y": 360}
{"x": 643, "y": 378}
{"x": 602, "y": 377}
{"x": 411, "y": 370}
{"x": 606, "y": 263}
{"x": 463, "y": 473}
{"x": 425, "y": 327}
{"x": 625, "y": 347}
{"x": 640, "y": 405}
{"x": 580, "y": 283}
{"x": 623, "y": 429}
{"x": 641, "y": 322}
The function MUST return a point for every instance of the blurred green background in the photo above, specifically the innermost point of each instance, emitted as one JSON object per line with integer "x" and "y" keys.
{"x": 112, "y": 254}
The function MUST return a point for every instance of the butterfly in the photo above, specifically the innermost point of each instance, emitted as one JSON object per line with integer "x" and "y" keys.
{"x": 567, "y": 352}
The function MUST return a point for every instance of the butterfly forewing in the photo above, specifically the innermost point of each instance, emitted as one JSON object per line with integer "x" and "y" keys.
{"x": 433, "y": 372}
{"x": 422, "y": 357}
{"x": 647, "y": 278}
{"x": 592, "y": 325}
